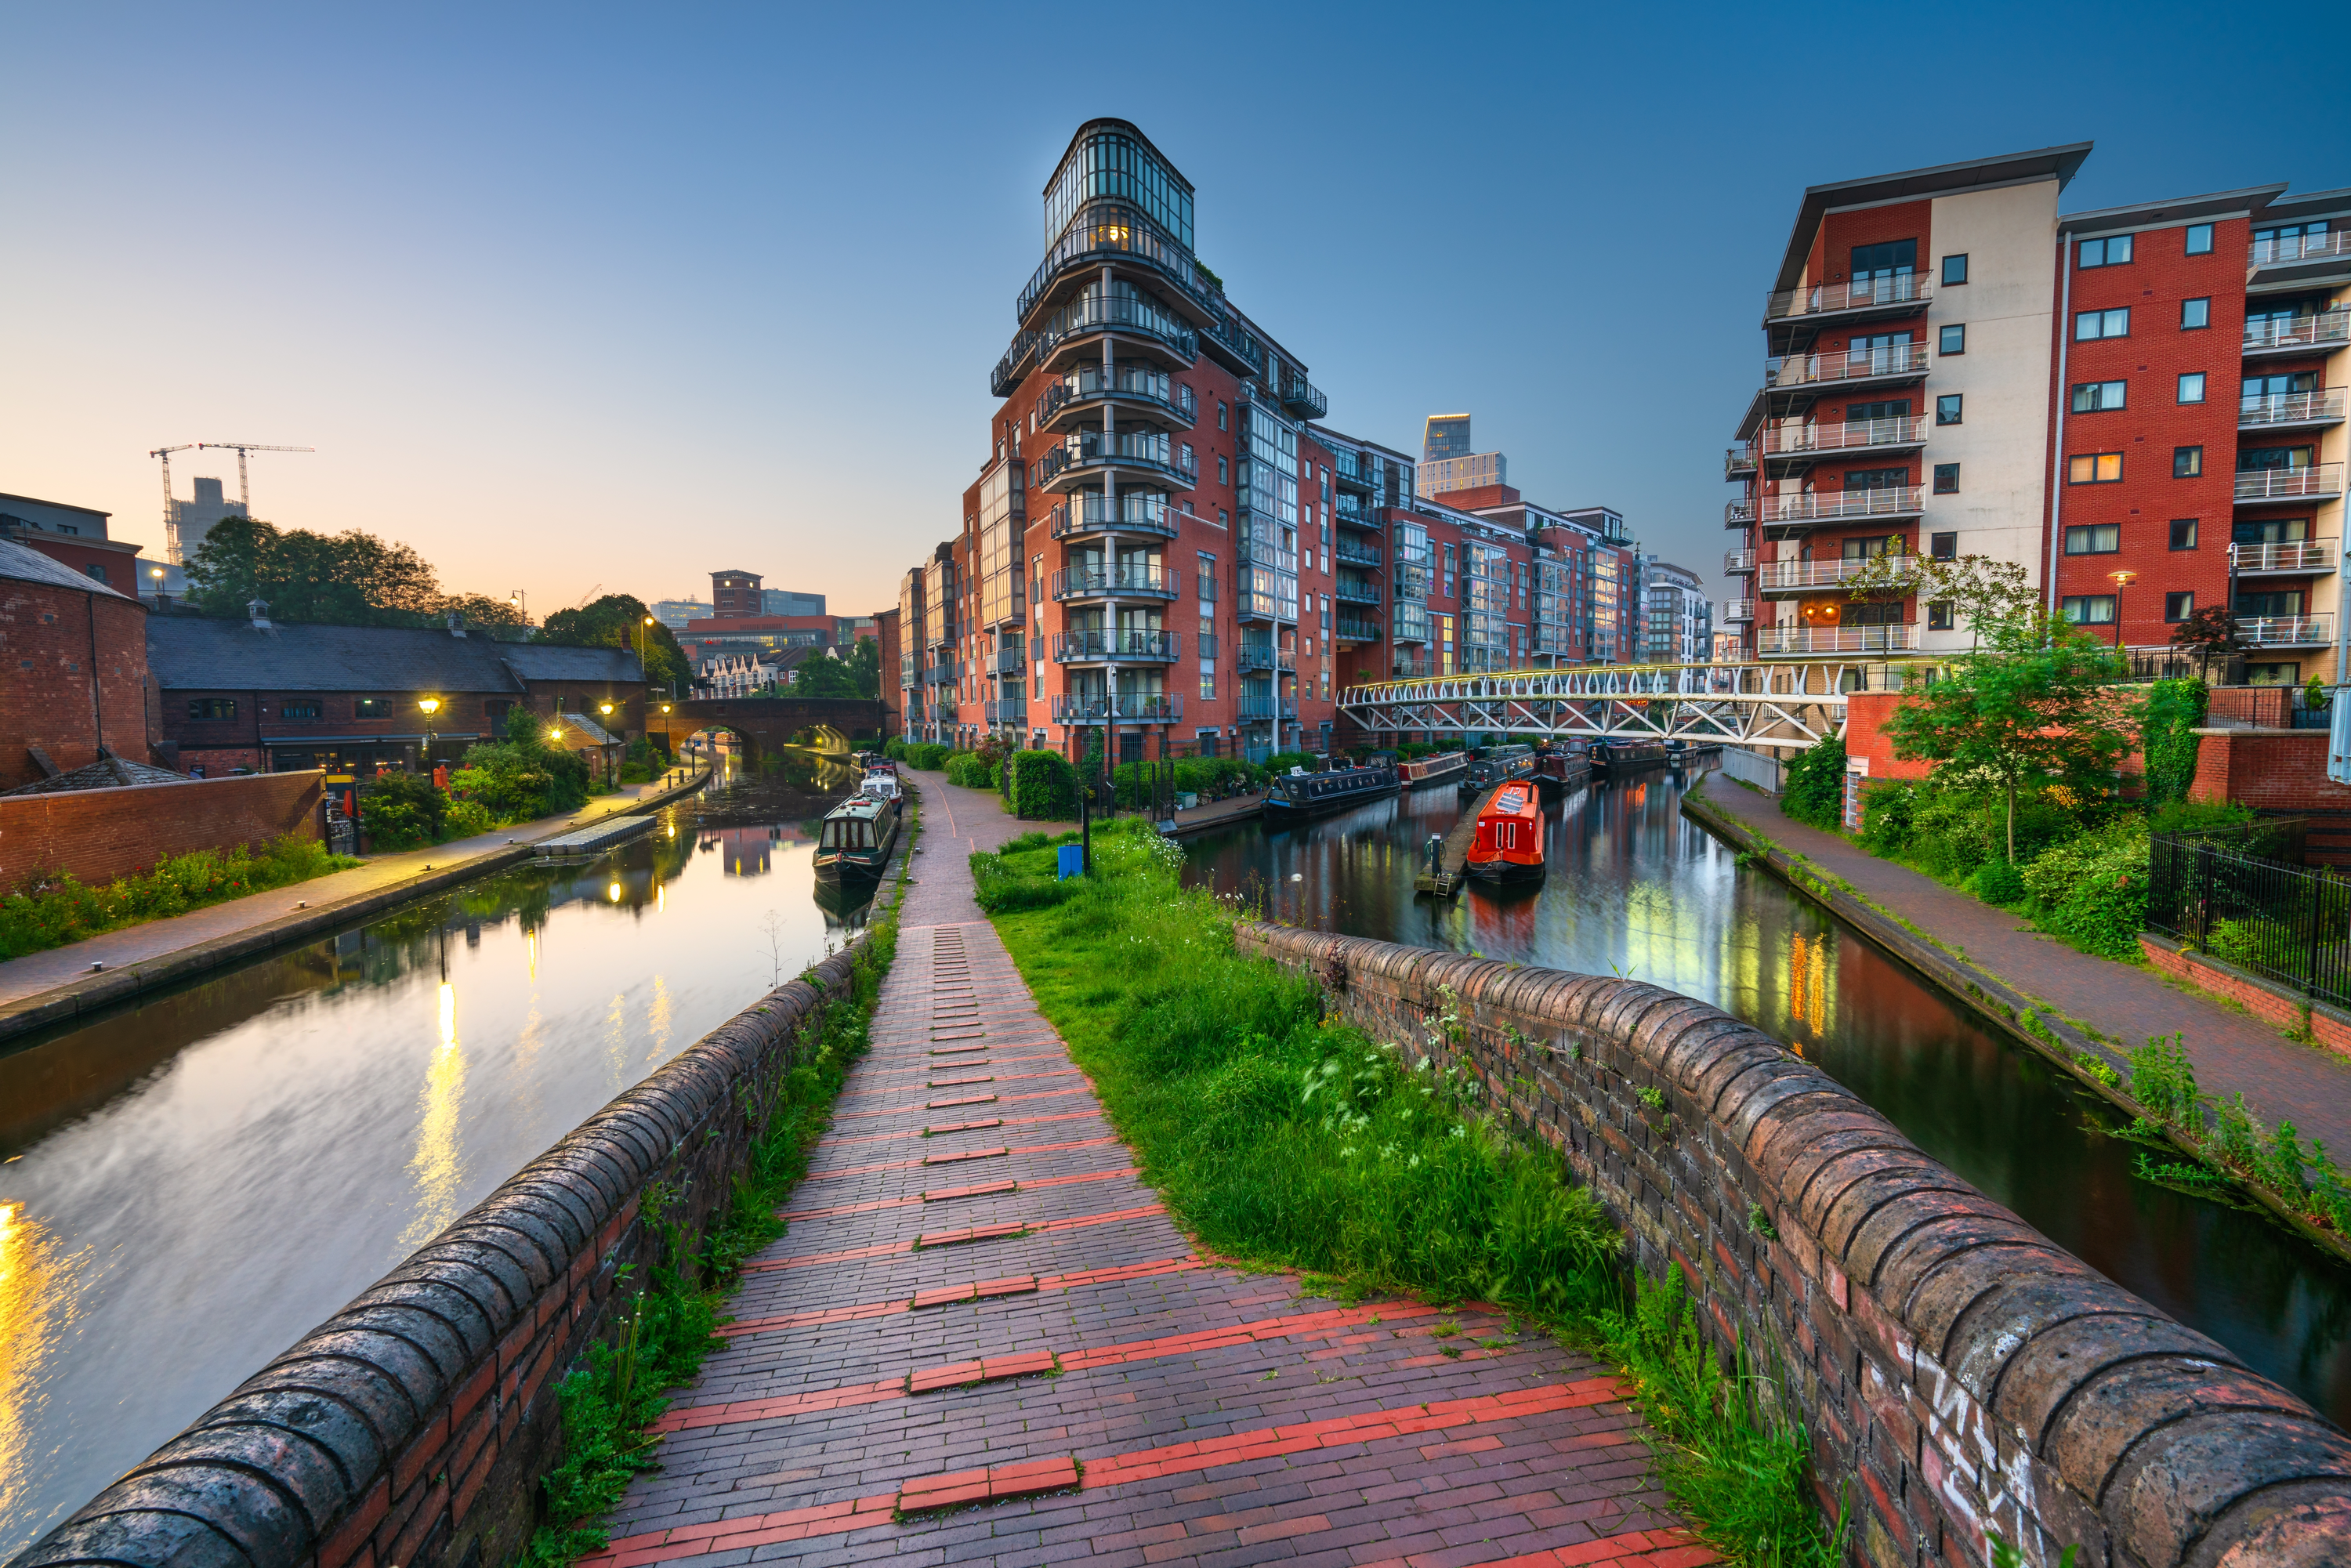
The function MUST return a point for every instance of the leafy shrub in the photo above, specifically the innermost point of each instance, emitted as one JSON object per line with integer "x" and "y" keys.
{"x": 2196, "y": 818}
{"x": 402, "y": 810}
{"x": 928, "y": 755}
{"x": 1195, "y": 775}
{"x": 2167, "y": 739}
{"x": 1282, "y": 762}
{"x": 1044, "y": 786}
{"x": 634, "y": 773}
{"x": 971, "y": 770}
{"x": 996, "y": 885}
{"x": 51, "y": 910}
{"x": 894, "y": 749}
{"x": 1886, "y": 818}
{"x": 465, "y": 819}
{"x": 1998, "y": 881}
{"x": 1813, "y": 787}
{"x": 2091, "y": 891}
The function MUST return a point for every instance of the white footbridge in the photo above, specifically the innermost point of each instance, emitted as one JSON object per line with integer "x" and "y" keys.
{"x": 1774, "y": 706}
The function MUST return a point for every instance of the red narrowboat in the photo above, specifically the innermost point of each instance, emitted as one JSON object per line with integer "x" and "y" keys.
{"x": 1509, "y": 842}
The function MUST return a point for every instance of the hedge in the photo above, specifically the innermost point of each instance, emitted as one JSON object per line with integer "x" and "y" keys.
{"x": 1044, "y": 786}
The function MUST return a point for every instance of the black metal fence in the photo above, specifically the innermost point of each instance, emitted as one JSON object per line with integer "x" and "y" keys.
{"x": 2285, "y": 922}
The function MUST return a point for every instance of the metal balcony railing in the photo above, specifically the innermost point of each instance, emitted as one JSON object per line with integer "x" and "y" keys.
{"x": 1178, "y": 402}
{"x": 1781, "y": 576}
{"x": 1120, "y": 313}
{"x": 1010, "y": 661}
{"x": 1100, "y": 708}
{"x": 1412, "y": 669}
{"x": 1839, "y": 506}
{"x": 2284, "y": 631}
{"x": 2299, "y": 247}
{"x": 1846, "y": 435}
{"x": 1355, "y": 517}
{"x": 1265, "y": 710}
{"x": 1263, "y": 656}
{"x": 1006, "y": 710}
{"x": 1142, "y": 647}
{"x": 945, "y": 673}
{"x": 1861, "y": 293}
{"x": 1739, "y": 514}
{"x": 2290, "y": 483}
{"x": 1738, "y": 610}
{"x": 1354, "y": 476}
{"x": 1861, "y": 365}
{"x": 1354, "y": 630}
{"x": 1355, "y": 592}
{"x": 1303, "y": 399}
{"x": 1736, "y": 562}
{"x": 1087, "y": 453}
{"x": 2327, "y": 330}
{"x": 1350, "y": 553}
{"x": 2323, "y": 406}
{"x": 1124, "y": 583}
{"x": 1113, "y": 232}
{"x": 1089, "y": 512}
{"x": 2294, "y": 555}
{"x": 1772, "y": 641}
{"x": 942, "y": 711}
{"x": 1738, "y": 460}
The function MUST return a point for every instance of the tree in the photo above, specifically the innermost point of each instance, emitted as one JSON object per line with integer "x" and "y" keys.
{"x": 2210, "y": 630}
{"x": 350, "y": 579}
{"x": 1976, "y": 586}
{"x": 618, "y": 621}
{"x": 2026, "y": 709}
{"x": 858, "y": 675}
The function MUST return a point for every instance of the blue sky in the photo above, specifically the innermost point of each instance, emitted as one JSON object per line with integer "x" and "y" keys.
{"x": 580, "y": 297}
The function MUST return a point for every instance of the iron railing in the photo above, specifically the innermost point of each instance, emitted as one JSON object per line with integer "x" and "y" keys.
{"x": 2299, "y": 247}
{"x": 1737, "y": 563}
{"x": 1114, "y": 232}
{"x": 2289, "y": 483}
{"x": 1148, "y": 648}
{"x": 1738, "y": 610}
{"x": 1861, "y": 293}
{"x": 1262, "y": 656}
{"x": 1008, "y": 661}
{"x": 1780, "y": 576}
{"x": 1086, "y": 452}
{"x": 1124, "y": 583}
{"x": 1780, "y": 641}
{"x": 1350, "y": 591}
{"x": 1350, "y": 553}
{"x": 2323, "y": 406}
{"x": 1858, "y": 365}
{"x": 1006, "y": 710}
{"x": 1352, "y": 629}
{"x": 1137, "y": 512}
{"x": 1093, "y": 707}
{"x": 2279, "y": 333}
{"x": 2284, "y": 631}
{"x": 1303, "y": 398}
{"x": 2294, "y": 555}
{"x": 1180, "y": 403}
{"x": 2285, "y": 922}
{"x": 1264, "y": 710}
{"x": 1844, "y": 435}
{"x": 1837, "y": 506}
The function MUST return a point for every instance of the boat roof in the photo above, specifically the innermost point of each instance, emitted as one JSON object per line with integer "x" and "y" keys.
{"x": 1515, "y": 799}
{"x": 857, "y": 806}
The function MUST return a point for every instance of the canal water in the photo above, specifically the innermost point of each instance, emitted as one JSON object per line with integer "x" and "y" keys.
{"x": 192, "y": 1185}
{"x": 1636, "y": 889}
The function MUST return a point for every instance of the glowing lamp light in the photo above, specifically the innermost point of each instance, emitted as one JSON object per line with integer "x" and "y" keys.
{"x": 608, "y": 708}
{"x": 430, "y": 704}
{"x": 614, "y": 892}
{"x": 555, "y": 735}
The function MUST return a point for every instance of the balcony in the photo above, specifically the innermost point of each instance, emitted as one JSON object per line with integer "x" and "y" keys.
{"x": 1847, "y": 437}
{"x": 1102, "y": 707}
{"x": 2285, "y": 631}
{"x": 1355, "y": 516}
{"x": 2320, "y": 334}
{"x": 1075, "y": 401}
{"x": 1739, "y": 461}
{"x": 1011, "y": 661}
{"x": 912, "y": 711}
{"x": 1738, "y": 610}
{"x": 1407, "y": 669}
{"x": 2319, "y": 481}
{"x": 1353, "y": 630}
{"x": 944, "y": 711}
{"x": 1350, "y": 553}
{"x": 1115, "y": 237}
{"x": 1739, "y": 514}
{"x": 1265, "y": 710}
{"x": 1352, "y": 479}
{"x": 1351, "y": 592}
{"x": 1135, "y": 456}
{"x": 1121, "y": 582}
{"x": 1869, "y": 297}
{"x": 1089, "y": 512}
{"x": 2333, "y": 246}
{"x": 2303, "y": 558}
{"x": 1783, "y": 576}
{"x": 1784, "y": 642}
{"x": 1303, "y": 399}
{"x": 945, "y": 673}
{"x": 1006, "y": 710}
{"x": 1737, "y": 563}
{"x": 1809, "y": 508}
{"x": 1895, "y": 362}
{"x": 1087, "y": 317}
{"x": 2286, "y": 411}
{"x": 1261, "y": 656}
{"x": 1129, "y": 647}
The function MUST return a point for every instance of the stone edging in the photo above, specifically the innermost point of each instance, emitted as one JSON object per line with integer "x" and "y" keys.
{"x": 1960, "y": 1375}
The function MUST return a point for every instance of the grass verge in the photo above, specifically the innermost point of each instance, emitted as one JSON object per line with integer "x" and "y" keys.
{"x": 668, "y": 1326}
{"x": 1283, "y": 1138}
{"x": 52, "y": 911}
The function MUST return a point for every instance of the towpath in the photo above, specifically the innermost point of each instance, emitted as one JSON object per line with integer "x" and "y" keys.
{"x": 2232, "y": 1052}
{"x": 1054, "y": 1375}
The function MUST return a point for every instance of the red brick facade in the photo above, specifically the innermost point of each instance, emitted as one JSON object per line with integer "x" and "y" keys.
{"x": 99, "y": 835}
{"x": 2272, "y": 770}
{"x": 73, "y": 677}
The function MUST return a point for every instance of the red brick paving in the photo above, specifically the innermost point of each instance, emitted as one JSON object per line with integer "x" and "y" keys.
{"x": 1078, "y": 1382}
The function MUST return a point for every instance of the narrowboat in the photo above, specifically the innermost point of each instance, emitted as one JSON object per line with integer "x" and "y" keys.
{"x": 1509, "y": 842}
{"x": 1437, "y": 768}
{"x": 1617, "y": 757}
{"x": 1498, "y": 765}
{"x": 1297, "y": 796}
{"x": 1560, "y": 766}
{"x": 856, "y": 838}
{"x": 882, "y": 787}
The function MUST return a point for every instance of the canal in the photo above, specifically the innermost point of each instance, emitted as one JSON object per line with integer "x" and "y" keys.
{"x": 1636, "y": 889}
{"x": 192, "y": 1185}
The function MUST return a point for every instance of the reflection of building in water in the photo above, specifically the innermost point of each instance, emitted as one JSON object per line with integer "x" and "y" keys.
{"x": 747, "y": 851}
{"x": 1808, "y": 985}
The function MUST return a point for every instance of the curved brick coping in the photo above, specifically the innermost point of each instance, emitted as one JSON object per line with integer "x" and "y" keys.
{"x": 413, "y": 1426}
{"x": 1960, "y": 1372}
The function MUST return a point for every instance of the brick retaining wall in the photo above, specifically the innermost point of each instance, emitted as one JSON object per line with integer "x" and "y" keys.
{"x": 1959, "y": 1373}
{"x": 412, "y": 1428}
{"x": 100, "y": 834}
{"x": 2274, "y": 769}
{"x": 2265, "y": 999}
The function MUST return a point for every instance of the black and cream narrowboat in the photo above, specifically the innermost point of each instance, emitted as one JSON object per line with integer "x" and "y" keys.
{"x": 1295, "y": 797}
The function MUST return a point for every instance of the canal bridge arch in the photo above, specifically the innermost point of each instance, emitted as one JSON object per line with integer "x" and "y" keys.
{"x": 765, "y": 723}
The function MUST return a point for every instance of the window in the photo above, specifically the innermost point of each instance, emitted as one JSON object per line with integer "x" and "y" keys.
{"x": 380, "y": 707}
{"x": 2183, "y": 533}
{"x": 2094, "y": 468}
{"x": 2191, "y": 387}
{"x": 2111, "y": 251}
{"x": 1220, "y": 414}
{"x": 2286, "y": 601}
{"x": 2097, "y": 397}
{"x": 1877, "y": 478}
{"x": 1188, "y": 464}
{"x": 1947, "y": 408}
{"x": 1875, "y": 544}
{"x": 1884, "y": 259}
{"x": 1952, "y": 340}
{"x": 1223, "y": 469}
{"x": 1889, "y": 408}
{"x": 2187, "y": 463}
{"x": 1955, "y": 269}
{"x": 1938, "y": 614}
{"x": 2199, "y": 239}
{"x": 1224, "y": 517}
{"x": 1947, "y": 478}
{"x": 1943, "y": 547}
{"x": 2094, "y": 538}
{"x": 2177, "y": 607}
{"x": 2269, "y": 532}
{"x": 496, "y": 708}
{"x": 1208, "y": 684}
{"x": 2195, "y": 313}
{"x": 96, "y": 570}
{"x": 2089, "y": 608}
{"x": 298, "y": 710}
{"x": 2093, "y": 324}
{"x": 211, "y": 707}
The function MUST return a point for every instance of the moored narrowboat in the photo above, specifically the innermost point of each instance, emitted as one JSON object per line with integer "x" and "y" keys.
{"x": 1509, "y": 842}
{"x": 1620, "y": 757}
{"x": 1498, "y": 765}
{"x": 1437, "y": 768}
{"x": 1295, "y": 797}
{"x": 856, "y": 837}
{"x": 1560, "y": 766}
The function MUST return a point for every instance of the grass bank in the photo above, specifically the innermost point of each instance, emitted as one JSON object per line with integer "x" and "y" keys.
{"x": 670, "y": 1325}
{"x": 1286, "y": 1139}
{"x": 50, "y": 912}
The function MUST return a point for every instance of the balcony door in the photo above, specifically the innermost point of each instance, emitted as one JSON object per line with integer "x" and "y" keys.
{"x": 2269, "y": 532}
{"x": 2265, "y": 459}
{"x": 1875, "y": 267}
{"x": 1883, "y": 353}
{"x": 2270, "y": 605}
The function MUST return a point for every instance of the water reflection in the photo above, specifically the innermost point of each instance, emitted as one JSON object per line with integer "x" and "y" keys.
{"x": 193, "y": 1184}
{"x": 1637, "y": 890}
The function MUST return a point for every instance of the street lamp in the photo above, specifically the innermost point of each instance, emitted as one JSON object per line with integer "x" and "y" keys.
{"x": 2121, "y": 579}
{"x": 157, "y": 573}
{"x": 521, "y": 602}
{"x": 607, "y": 710}
{"x": 431, "y": 706}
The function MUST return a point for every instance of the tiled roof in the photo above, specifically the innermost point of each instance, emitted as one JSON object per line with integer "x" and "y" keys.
{"x": 106, "y": 773}
{"x": 25, "y": 564}
{"x": 190, "y": 653}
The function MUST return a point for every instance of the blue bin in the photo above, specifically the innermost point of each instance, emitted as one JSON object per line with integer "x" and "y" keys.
{"x": 1072, "y": 862}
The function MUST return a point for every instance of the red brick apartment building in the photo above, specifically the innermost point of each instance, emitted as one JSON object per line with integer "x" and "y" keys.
{"x": 2141, "y": 406}
{"x": 1163, "y": 543}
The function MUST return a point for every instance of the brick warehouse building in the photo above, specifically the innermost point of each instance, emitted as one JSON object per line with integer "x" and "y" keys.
{"x": 1163, "y": 545}
{"x": 75, "y": 654}
{"x": 2141, "y": 406}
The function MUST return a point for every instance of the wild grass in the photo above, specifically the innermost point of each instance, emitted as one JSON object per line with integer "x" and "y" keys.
{"x": 1282, "y": 1137}
{"x": 50, "y": 910}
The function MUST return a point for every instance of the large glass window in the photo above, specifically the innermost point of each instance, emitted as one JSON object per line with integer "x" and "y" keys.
{"x": 1114, "y": 165}
{"x": 2093, "y": 324}
{"x": 2111, "y": 251}
{"x": 2089, "y": 608}
{"x": 1892, "y": 258}
{"x": 2094, "y": 538}
{"x": 2097, "y": 397}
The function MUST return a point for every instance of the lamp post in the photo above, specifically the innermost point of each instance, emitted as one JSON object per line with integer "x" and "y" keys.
{"x": 156, "y": 572}
{"x": 521, "y": 602}
{"x": 2121, "y": 580}
{"x": 431, "y": 706}
{"x": 607, "y": 710}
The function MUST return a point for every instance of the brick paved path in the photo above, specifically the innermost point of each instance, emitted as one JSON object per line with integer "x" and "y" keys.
{"x": 2231, "y": 1051}
{"x": 934, "y": 1405}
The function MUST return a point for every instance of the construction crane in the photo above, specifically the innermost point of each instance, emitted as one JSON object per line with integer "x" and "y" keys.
{"x": 171, "y": 524}
{"x": 244, "y": 495}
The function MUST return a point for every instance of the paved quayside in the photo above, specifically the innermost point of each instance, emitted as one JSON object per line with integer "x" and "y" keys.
{"x": 1054, "y": 1373}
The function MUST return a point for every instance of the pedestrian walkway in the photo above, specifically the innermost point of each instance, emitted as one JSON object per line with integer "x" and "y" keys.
{"x": 983, "y": 1340}
{"x": 2232, "y": 1052}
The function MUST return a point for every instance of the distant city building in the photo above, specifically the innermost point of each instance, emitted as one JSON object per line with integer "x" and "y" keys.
{"x": 1676, "y": 620}
{"x": 193, "y": 519}
{"x": 784, "y": 601}
{"x": 735, "y": 593}
{"x": 1475, "y": 471}
{"x": 1444, "y": 435}
{"x": 675, "y": 613}
{"x": 74, "y": 536}
{"x": 1729, "y": 647}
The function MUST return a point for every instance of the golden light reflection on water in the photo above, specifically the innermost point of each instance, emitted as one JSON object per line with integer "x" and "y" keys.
{"x": 1808, "y": 985}
{"x": 437, "y": 1168}
{"x": 36, "y": 1304}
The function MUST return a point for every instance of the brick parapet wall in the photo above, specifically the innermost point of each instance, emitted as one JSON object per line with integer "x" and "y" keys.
{"x": 2271, "y": 770}
{"x": 1959, "y": 1373}
{"x": 412, "y": 1429}
{"x": 2266, "y": 1000}
{"x": 99, "y": 835}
